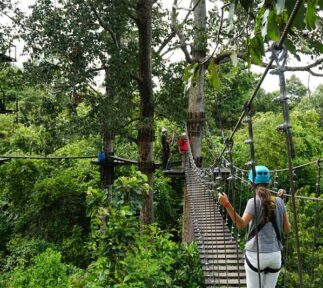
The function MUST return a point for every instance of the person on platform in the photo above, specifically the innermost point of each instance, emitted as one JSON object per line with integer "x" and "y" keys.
{"x": 183, "y": 143}
{"x": 272, "y": 221}
{"x": 165, "y": 140}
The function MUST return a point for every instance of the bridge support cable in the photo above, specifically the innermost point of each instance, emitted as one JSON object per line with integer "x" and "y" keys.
{"x": 279, "y": 55}
{"x": 220, "y": 264}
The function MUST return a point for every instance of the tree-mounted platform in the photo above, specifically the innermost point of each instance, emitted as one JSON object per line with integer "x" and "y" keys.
{"x": 175, "y": 173}
{"x": 114, "y": 160}
{"x": 7, "y": 111}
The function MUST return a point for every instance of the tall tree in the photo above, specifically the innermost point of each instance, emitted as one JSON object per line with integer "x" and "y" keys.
{"x": 196, "y": 106}
{"x": 146, "y": 123}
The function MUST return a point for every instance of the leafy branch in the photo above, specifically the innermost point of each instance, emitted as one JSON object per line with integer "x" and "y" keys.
{"x": 103, "y": 25}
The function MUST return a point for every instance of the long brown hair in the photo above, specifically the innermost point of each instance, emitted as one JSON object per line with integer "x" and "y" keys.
{"x": 265, "y": 198}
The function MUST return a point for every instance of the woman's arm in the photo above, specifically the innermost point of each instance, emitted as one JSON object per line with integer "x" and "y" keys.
{"x": 286, "y": 224}
{"x": 239, "y": 222}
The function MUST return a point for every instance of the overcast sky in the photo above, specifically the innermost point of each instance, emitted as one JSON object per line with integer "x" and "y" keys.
{"x": 271, "y": 82}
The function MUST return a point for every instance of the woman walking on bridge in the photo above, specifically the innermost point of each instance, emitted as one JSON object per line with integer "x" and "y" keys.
{"x": 272, "y": 220}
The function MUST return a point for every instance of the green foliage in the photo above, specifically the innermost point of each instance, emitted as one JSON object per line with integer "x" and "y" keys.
{"x": 97, "y": 275}
{"x": 21, "y": 250}
{"x": 270, "y": 145}
{"x": 46, "y": 270}
{"x": 158, "y": 269}
{"x": 316, "y": 102}
{"x": 310, "y": 234}
{"x": 270, "y": 149}
{"x": 73, "y": 249}
{"x": 213, "y": 75}
{"x": 47, "y": 207}
{"x": 191, "y": 75}
{"x": 130, "y": 191}
{"x": 113, "y": 230}
{"x": 270, "y": 20}
{"x": 167, "y": 202}
{"x": 224, "y": 103}
{"x": 171, "y": 102}
{"x": 133, "y": 258}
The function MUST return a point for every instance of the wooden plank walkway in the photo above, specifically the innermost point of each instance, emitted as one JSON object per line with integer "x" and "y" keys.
{"x": 220, "y": 256}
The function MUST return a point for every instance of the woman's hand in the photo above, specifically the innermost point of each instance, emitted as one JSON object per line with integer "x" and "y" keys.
{"x": 223, "y": 199}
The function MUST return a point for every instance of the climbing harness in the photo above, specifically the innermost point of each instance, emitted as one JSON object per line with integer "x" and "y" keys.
{"x": 261, "y": 225}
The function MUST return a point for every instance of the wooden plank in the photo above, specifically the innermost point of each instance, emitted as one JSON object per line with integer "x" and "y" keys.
{"x": 223, "y": 268}
{"x": 211, "y": 261}
{"x": 222, "y": 274}
{"x": 225, "y": 283}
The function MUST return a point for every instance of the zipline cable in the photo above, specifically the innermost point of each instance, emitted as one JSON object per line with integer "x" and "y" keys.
{"x": 46, "y": 157}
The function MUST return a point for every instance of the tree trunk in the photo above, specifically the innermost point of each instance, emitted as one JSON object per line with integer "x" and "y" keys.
{"x": 107, "y": 169}
{"x": 146, "y": 126}
{"x": 196, "y": 113}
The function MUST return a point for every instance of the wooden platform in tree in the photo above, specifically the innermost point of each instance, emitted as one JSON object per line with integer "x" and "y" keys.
{"x": 174, "y": 172}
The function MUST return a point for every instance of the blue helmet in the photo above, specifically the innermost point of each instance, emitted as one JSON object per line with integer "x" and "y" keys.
{"x": 262, "y": 175}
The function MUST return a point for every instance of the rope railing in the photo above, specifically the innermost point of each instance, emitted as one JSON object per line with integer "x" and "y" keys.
{"x": 276, "y": 170}
{"x": 286, "y": 194}
{"x": 37, "y": 157}
{"x": 64, "y": 157}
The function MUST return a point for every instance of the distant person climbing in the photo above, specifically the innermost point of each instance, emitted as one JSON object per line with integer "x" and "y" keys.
{"x": 272, "y": 221}
{"x": 183, "y": 143}
{"x": 165, "y": 140}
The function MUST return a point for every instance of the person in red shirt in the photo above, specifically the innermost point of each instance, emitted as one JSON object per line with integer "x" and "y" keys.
{"x": 183, "y": 143}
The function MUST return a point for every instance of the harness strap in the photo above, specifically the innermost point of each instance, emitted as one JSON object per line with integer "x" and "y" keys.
{"x": 266, "y": 270}
{"x": 274, "y": 222}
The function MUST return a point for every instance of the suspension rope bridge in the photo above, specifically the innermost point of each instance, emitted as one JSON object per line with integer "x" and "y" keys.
{"x": 220, "y": 255}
